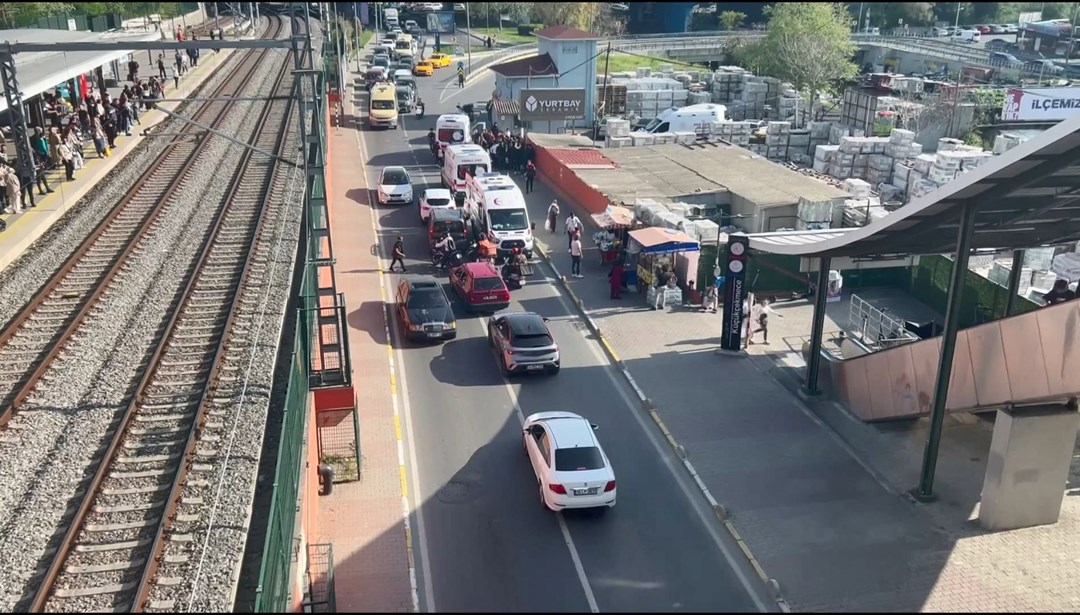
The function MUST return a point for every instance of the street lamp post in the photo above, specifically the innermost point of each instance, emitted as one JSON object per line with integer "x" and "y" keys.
{"x": 468, "y": 37}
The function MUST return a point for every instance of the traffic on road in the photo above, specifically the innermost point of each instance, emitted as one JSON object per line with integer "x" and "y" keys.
{"x": 536, "y": 482}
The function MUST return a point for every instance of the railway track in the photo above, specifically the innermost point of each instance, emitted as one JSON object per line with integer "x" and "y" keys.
{"x": 39, "y": 332}
{"x": 151, "y": 490}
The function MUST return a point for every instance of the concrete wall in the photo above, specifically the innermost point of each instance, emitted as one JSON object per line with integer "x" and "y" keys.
{"x": 567, "y": 185}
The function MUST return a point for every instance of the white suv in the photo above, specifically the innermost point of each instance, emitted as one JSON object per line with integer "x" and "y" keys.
{"x": 570, "y": 466}
{"x": 435, "y": 198}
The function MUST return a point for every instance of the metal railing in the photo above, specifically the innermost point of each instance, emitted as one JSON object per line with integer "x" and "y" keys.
{"x": 273, "y": 593}
{"x": 874, "y": 328}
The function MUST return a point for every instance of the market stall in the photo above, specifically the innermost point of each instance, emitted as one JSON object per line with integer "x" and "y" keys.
{"x": 654, "y": 250}
{"x": 613, "y": 224}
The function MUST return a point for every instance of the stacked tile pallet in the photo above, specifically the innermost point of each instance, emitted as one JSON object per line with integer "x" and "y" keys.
{"x": 617, "y": 132}
{"x": 736, "y": 133}
{"x": 647, "y": 96}
{"x": 931, "y": 171}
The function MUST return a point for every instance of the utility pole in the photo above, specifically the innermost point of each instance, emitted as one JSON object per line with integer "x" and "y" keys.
{"x": 956, "y": 26}
{"x": 468, "y": 37}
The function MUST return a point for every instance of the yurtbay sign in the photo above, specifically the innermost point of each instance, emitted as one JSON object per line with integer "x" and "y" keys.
{"x": 552, "y": 104}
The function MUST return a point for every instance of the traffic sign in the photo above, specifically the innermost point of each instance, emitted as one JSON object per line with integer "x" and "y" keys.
{"x": 460, "y": 64}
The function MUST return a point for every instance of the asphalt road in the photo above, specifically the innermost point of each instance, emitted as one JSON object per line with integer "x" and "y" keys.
{"x": 483, "y": 540}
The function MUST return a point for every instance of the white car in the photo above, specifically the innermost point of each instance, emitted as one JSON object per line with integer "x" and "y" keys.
{"x": 570, "y": 466}
{"x": 435, "y": 198}
{"x": 395, "y": 186}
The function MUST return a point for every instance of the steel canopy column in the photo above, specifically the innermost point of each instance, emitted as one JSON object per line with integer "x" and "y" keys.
{"x": 925, "y": 491}
{"x": 1014, "y": 281}
{"x": 18, "y": 116}
{"x": 817, "y": 329}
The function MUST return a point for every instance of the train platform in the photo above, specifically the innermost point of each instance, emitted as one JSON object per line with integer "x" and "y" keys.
{"x": 25, "y": 228}
{"x": 365, "y": 519}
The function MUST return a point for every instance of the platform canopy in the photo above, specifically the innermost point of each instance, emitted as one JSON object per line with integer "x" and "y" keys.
{"x": 1024, "y": 198}
{"x": 40, "y": 72}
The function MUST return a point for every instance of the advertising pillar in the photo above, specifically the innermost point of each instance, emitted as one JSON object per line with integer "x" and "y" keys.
{"x": 738, "y": 248}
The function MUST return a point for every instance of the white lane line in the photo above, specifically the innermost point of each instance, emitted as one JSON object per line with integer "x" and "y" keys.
{"x": 567, "y": 538}
{"x": 663, "y": 453}
{"x": 420, "y": 538}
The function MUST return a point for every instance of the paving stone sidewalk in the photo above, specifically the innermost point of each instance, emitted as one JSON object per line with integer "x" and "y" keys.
{"x": 825, "y": 515}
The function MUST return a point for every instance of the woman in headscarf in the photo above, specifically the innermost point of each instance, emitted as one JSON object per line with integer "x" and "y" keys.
{"x": 615, "y": 277}
{"x": 553, "y": 215}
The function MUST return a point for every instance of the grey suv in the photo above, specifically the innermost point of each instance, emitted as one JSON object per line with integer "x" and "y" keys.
{"x": 523, "y": 343}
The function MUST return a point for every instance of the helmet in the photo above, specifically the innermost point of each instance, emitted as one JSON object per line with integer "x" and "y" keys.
{"x": 515, "y": 250}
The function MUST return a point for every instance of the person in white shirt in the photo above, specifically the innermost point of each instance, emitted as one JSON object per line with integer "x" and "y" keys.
{"x": 575, "y": 255}
{"x": 573, "y": 225}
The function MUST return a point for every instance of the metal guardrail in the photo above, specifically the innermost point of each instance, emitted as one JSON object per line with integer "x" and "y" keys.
{"x": 874, "y": 328}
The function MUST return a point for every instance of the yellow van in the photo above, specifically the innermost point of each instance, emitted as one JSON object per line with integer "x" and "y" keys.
{"x": 382, "y": 110}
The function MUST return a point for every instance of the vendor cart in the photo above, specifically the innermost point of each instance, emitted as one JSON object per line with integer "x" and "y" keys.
{"x": 654, "y": 249}
{"x": 613, "y": 224}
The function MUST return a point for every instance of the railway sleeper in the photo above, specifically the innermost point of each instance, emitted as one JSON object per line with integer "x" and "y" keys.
{"x": 110, "y": 567}
{"x": 134, "y": 446}
{"x": 94, "y": 528}
{"x": 83, "y": 592}
{"x": 162, "y": 418}
{"x": 113, "y": 546}
{"x": 147, "y": 459}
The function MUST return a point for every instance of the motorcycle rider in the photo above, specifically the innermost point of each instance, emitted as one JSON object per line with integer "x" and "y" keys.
{"x": 445, "y": 247}
{"x": 431, "y": 139}
{"x": 511, "y": 270}
{"x": 420, "y": 113}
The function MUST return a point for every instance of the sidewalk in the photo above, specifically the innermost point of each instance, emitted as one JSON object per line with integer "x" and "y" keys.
{"x": 365, "y": 519}
{"x": 824, "y": 515}
{"x": 25, "y": 228}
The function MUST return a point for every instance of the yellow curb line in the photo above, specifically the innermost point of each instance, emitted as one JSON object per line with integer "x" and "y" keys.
{"x": 771, "y": 585}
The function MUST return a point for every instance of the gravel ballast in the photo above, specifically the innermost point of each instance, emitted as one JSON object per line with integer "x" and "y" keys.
{"x": 45, "y": 457}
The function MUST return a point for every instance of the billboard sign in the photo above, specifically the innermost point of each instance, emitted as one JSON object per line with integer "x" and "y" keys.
{"x": 1029, "y": 17}
{"x": 440, "y": 23}
{"x": 1040, "y": 104}
{"x": 546, "y": 104}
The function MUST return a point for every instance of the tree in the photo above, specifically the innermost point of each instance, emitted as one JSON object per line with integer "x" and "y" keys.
{"x": 730, "y": 20}
{"x": 14, "y": 14}
{"x": 808, "y": 44}
{"x": 583, "y": 15}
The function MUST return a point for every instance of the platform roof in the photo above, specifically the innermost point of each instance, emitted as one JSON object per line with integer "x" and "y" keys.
{"x": 1024, "y": 198}
{"x": 40, "y": 72}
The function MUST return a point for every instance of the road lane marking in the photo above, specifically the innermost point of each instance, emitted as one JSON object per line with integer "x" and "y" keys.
{"x": 429, "y": 599}
{"x": 709, "y": 519}
{"x": 567, "y": 538}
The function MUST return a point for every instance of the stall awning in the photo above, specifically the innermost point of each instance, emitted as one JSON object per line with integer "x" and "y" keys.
{"x": 614, "y": 217}
{"x": 654, "y": 240}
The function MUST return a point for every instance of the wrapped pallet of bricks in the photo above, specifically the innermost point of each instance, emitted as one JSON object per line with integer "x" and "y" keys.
{"x": 974, "y": 160}
{"x": 759, "y": 149}
{"x": 942, "y": 175}
{"x": 899, "y": 136}
{"x": 685, "y": 138}
{"x": 922, "y": 188}
{"x": 901, "y": 171}
{"x": 881, "y": 162}
{"x": 1004, "y": 143}
{"x": 923, "y": 162}
{"x": 680, "y": 98}
{"x": 663, "y": 138}
{"x": 617, "y": 127}
{"x": 644, "y": 72}
{"x": 877, "y": 176}
{"x": 800, "y": 140}
{"x": 611, "y": 141}
{"x": 641, "y": 139}
{"x": 698, "y": 98}
{"x": 857, "y": 188}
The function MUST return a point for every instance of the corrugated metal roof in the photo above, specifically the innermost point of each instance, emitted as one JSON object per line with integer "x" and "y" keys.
{"x": 1027, "y": 197}
{"x": 533, "y": 66}
{"x": 566, "y": 33}
{"x": 582, "y": 157}
{"x": 502, "y": 106}
{"x": 677, "y": 170}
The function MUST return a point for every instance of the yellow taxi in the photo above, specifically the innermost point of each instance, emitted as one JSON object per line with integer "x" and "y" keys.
{"x": 424, "y": 68}
{"x": 440, "y": 60}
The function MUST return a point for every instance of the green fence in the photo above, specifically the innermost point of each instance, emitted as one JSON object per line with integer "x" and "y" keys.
{"x": 273, "y": 592}
{"x": 982, "y": 300}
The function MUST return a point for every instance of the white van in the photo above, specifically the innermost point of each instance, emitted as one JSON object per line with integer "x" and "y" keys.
{"x": 967, "y": 36}
{"x": 693, "y": 118}
{"x": 497, "y": 202}
{"x": 390, "y": 18}
{"x": 450, "y": 129}
{"x": 462, "y": 161}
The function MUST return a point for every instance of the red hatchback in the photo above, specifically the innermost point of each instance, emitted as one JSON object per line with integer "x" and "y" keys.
{"x": 481, "y": 287}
